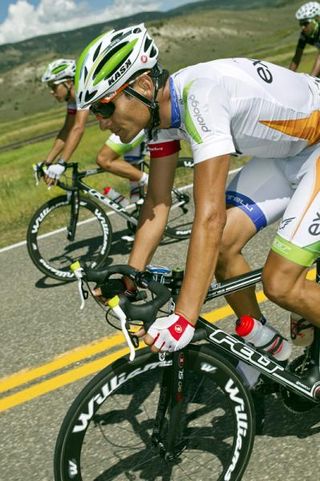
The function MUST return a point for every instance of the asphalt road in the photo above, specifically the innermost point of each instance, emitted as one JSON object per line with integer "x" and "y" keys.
{"x": 50, "y": 349}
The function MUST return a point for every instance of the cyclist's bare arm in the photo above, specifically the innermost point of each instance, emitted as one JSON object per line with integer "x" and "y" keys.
{"x": 75, "y": 134}
{"x": 154, "y": 213}
{"x": 316, "y": 66}
{"x": 110, "y": 161}
{"x": 296, "y": 59}
{"x": 61, "y": 138}
{"x": 210, "y": 179}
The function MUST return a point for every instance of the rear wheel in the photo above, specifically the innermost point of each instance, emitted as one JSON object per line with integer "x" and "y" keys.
{"x": 108, "y": 433}
{"x": 47, "y": 238}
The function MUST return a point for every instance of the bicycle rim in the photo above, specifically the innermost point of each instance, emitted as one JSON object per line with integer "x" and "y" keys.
{"x": 47, "y": 238}
{"x": 106, "y": 435}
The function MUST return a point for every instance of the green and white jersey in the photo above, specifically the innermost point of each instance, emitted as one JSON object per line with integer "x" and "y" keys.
{"x": 243, "y": 106}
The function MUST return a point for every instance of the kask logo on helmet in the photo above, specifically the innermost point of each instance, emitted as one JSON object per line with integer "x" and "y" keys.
{"x": 119, "y": 73}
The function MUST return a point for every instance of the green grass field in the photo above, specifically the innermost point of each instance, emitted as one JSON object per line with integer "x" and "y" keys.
{"x": 19, "y": 195}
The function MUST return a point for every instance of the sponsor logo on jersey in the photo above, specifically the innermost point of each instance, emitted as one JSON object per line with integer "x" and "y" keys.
{"x": 197, "y": 113}
{"x": 263, "y": 71}
{"x": 314, "y": 228}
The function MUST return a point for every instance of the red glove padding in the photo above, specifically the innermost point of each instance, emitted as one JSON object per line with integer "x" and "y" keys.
{"x": 171, "y": 333}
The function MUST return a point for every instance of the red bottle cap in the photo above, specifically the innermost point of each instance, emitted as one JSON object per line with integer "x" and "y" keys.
{"x": 244, "y": 325}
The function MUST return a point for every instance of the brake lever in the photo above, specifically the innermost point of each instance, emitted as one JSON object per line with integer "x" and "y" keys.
{"x": 38, "y": 172}
{"x": 79, "y": 272}
{"x": 114, "y": 305}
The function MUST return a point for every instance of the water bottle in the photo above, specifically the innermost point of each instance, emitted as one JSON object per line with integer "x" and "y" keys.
{"x": 301, "y": 331}
{"x": 114, "y": 195}
{"x": 263, "y": 336}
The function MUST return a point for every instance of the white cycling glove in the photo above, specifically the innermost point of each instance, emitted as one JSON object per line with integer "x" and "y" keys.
{"x": 171, "y": 333}
{"x": 54, "y": 171}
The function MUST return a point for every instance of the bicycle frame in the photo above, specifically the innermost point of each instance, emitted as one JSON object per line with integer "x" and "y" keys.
{"x": 79, "y": 186}
{"x": 172, "y": 384}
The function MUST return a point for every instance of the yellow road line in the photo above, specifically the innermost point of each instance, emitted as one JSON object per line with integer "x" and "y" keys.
{"x": 54, "y": 383}
{"x": 76, "y": 355}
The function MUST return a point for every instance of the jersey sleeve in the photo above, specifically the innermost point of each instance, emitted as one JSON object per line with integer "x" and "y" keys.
{"x": 120, "y": 148}
{"x": 207, "y": 119}
{"x": 71, "y": 108}
{"x": 166, "y": 143}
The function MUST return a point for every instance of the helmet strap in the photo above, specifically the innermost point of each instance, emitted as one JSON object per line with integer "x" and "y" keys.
{"x": 152, "y": 105}
{"x": 68, "y": 95}
{"x": 316, "y": 27}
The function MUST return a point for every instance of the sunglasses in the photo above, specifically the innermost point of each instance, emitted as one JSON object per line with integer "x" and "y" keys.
{"x": 304, "y": 23}
{"x": 102, "y": 109}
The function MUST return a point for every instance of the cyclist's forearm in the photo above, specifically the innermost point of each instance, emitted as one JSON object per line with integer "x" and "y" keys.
{"x": 55, "y": 151}
{"x": 151, "y": 227}
{"x": 72, "y": 142}
{"x": 201, "y": 261}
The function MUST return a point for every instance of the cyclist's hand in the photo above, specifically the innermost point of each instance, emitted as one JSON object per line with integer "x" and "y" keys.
{"x": 114, "y": 287}
{"x": 54, "y": 172}
{"x": 169, "y": 333}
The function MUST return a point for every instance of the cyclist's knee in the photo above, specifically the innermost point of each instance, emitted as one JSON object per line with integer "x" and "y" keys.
{"x": 282, "y": 288}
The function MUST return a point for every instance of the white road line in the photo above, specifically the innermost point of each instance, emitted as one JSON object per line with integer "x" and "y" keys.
{"x": 23, "y": 243}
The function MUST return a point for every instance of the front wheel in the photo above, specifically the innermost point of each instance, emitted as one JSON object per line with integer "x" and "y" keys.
{"x": 48, "y": 244}
{"x": 109, "y": 431}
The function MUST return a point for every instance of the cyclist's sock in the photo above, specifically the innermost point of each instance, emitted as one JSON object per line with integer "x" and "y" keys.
{"x": 144, "y": 179}
{"x": 136, "y": 186}
{"x": 249, "y": 373}
{"x": 134, "y": 192}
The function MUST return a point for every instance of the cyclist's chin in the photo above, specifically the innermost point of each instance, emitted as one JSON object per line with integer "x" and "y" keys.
{"x": 126, "y": 137}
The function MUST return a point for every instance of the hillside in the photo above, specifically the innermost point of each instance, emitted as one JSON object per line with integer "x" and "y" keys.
{"x": 192, "y": 33}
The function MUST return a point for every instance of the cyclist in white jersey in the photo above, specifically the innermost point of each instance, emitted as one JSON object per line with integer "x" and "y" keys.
{"x": 222, "y": 107}
{"x": 59, "y": 76}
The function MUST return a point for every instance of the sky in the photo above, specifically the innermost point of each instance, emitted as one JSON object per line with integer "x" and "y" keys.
{"x": 22, "y": 19}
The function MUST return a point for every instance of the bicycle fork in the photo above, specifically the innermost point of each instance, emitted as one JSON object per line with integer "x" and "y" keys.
{"x": 167, "y": 434}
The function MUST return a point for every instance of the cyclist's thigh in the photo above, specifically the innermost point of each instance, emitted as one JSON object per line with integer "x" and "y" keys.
{"x": 261, "y": 190}
{"x": 298, "y": 236}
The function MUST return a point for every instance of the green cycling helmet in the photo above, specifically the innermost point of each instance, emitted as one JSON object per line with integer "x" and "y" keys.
{"x": 59, "y": 71}
{"x": 111, "y": 60}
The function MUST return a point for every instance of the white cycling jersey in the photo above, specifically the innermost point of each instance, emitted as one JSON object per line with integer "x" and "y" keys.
{"x": 243, "y": 106}
{"x": 256, "y": 108}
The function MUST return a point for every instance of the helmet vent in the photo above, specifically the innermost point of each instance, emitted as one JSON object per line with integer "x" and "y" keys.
{"x": 85, "y": 73}
{"x": 153, "y": 52}
{"x": 107, "y": 58}
{"x": 80, "y": 97}
{"x": 147, "y": 44}
{"x": 96, "y": 53}
{"x": 136, "y": 30}
{"x": 118, "y": 35}
{"x": 90, "y": 95}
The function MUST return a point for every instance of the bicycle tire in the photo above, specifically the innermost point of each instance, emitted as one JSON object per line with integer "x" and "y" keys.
{"x": 53, "y": 255}
{"x": 106, "y": 434}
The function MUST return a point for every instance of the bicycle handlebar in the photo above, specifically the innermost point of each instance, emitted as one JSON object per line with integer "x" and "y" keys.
{"x": 121, "y": 305}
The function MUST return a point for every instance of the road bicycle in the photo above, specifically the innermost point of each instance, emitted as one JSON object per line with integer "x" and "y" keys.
{"x": 75, "y": 227}
{"x": 187, "y": 415}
